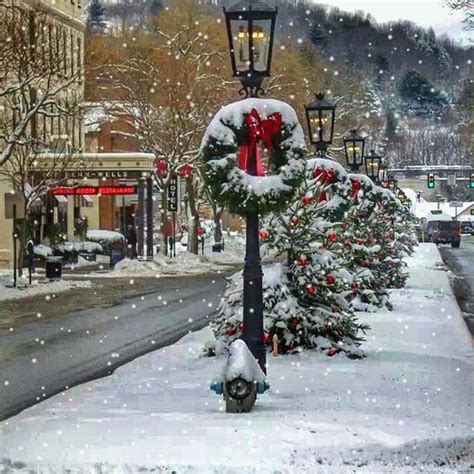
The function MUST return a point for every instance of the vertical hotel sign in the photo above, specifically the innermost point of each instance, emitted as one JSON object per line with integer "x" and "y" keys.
{"x": 173, "y": 194}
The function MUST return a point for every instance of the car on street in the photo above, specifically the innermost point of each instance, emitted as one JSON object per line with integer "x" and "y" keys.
{"x": 444, "y": 232}
{"x": 467, "y": 227}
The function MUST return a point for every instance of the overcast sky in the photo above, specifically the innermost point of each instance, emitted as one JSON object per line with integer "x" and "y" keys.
{"x": 423, "y": 12}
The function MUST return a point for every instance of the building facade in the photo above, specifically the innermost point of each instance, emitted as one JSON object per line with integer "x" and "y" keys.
{"x": 53, "y": 30}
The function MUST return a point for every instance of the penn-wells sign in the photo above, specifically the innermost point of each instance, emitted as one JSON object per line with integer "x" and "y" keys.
{"x": 95, "y": 190}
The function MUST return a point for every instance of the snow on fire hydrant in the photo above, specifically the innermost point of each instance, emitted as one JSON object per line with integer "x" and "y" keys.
{"x": 241, "y": 379}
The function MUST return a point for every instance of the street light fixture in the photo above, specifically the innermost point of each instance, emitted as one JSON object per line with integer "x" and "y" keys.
{"x": 320, "y": 115}
{"x": 372, "y": 166}
{"x": 354, "y": 145}
{"x": 251, "y": 31}
{"x": 392, "y": 183}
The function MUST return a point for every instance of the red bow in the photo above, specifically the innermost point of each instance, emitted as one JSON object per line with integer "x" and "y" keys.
{"x": 325, "y": 176}
{"x": 355, "y": 188}
{"x": 259, "y": 129}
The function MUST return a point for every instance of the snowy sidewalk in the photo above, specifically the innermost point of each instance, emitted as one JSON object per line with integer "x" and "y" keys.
{"x": 408, "y": 406}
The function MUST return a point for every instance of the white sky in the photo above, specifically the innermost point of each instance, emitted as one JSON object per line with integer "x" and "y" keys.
{"x": 423, "y": 12}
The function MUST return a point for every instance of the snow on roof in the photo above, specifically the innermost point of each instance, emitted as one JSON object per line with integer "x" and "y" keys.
{"x": 98, "y": 113}
{"x": 438, "y": 217}
{"x": 421, "y": 209}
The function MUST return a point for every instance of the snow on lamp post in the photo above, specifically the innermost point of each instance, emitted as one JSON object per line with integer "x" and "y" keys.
{"x": 320, "y": 115}
{"x": 354, "y": 145}
{"x": 372, "y": 166}
{"x": 251, "y": 30}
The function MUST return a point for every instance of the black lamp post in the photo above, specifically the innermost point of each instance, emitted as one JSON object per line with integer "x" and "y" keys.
{"x": 354, "y": 145}
{"x": 320, "y": 115}
{"x": 372, "y": 166}
{"x": 251, "y": 30}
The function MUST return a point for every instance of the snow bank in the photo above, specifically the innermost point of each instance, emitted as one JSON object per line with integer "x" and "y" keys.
{"x": 38, "y": 288}
{"x": 104, "y": 236}
{"x": 406, "y": 408}
{"x": 184, "y": 263}
{"x": 42, "y": 251}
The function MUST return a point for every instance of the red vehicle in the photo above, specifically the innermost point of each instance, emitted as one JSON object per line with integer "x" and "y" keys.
{"x": 444, "y": 232}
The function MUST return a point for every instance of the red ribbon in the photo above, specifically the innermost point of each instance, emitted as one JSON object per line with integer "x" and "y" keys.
{"x": 325, "y": 176}
{"x": 259, "y": 129}
{"x": 355, "y": 188}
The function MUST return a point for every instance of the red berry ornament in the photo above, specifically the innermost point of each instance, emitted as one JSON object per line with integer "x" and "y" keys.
{"x": 306, "y": 200}
{"x": 331, "y": 280}
{"x": 311, "y": 290}
{"x": 332, "y": 236}
{"x": 322, "y": 197}
{"x": 294, "y": 321}
{"x": 303, "y": 261}
{"x": 266, "y": 338}
{"x": 230, "y": 332}
{"x": 264, "y": 235}
{"x": 332, "y": 352}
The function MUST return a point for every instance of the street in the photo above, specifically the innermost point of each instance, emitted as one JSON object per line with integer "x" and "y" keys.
{"x": 47, "y": 347}
{"x": 461, "y": 262}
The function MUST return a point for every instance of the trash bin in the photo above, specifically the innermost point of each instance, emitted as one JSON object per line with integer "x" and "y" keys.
{"x": 117, "y": 252}
{"x": 54, "y": 268}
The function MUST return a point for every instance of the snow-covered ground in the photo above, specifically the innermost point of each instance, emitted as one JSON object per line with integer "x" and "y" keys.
{"x": 185, "y": 263}
{"x": 37, "y": 288}
{"x": 406, "y": 408}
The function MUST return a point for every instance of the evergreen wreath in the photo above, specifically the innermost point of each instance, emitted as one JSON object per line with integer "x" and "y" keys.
{"x": 233, "y": 136}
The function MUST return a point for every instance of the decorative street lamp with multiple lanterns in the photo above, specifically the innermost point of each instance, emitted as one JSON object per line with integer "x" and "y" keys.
{"x": 320, "y": 115}
{"x": 372, "y": 166}
{"x": 251, "y": 30}
{"x": 354, "y": 145}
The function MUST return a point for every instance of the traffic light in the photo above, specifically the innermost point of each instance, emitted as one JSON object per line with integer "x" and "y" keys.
{"x": 471, "y": 182}
{"x": 431, "y": 181}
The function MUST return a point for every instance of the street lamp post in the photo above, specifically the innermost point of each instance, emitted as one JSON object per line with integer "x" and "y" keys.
{"x": 320, "y": 115}
{"x": 372, "y": 166}
{"x": 354, "y": 145}
{"x": 251, "y": 30}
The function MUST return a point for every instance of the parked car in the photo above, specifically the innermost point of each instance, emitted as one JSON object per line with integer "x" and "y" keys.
{"x": 467, "y": 227}
{"x": 444, "y": 232}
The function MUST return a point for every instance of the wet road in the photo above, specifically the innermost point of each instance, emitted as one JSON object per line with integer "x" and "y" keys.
{"x": 461, "y": 262}
{"x": 41, "y": 357}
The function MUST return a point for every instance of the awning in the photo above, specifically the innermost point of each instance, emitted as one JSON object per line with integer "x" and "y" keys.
{"x": 88, "y": 199}
{"x": 61, "y": 199}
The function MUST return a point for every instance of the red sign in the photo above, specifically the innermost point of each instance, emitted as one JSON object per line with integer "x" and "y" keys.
{"x": 95, "y": 190}
{"x": 161, "y": 167}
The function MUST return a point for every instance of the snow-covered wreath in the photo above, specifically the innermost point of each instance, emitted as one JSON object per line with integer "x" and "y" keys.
{"x": 269, "y": 132}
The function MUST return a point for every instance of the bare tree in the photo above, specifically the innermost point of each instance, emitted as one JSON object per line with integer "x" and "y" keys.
{"x": 33, "y": 173}
{"x": 170, "y": 84}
